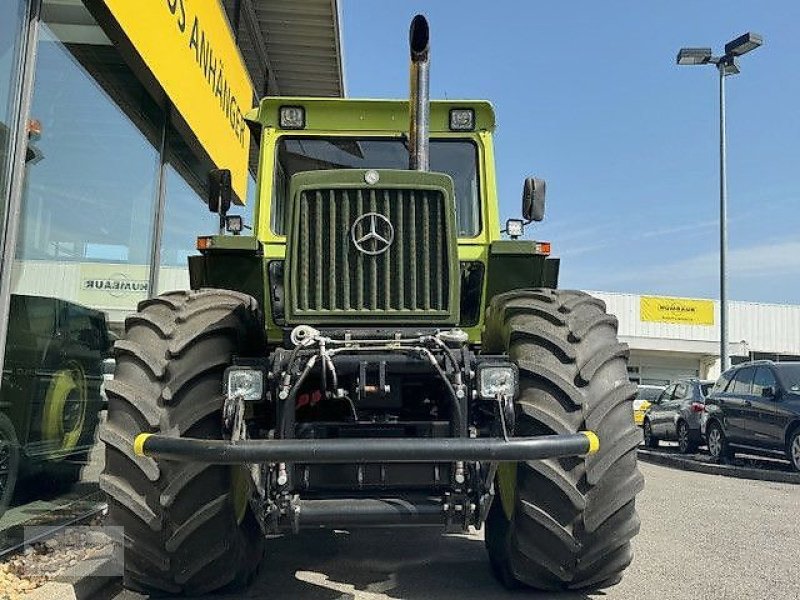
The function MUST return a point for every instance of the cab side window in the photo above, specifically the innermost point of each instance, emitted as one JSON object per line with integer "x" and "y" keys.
{"x": 742, "y": 382}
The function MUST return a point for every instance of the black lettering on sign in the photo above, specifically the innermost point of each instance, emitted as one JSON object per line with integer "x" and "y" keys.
{"x": 179, "y": 7}
{"x": 212, "y": 68}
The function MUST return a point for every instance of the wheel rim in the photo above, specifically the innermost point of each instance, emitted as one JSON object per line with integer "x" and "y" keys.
{"x": 240, "y": 492}
{"x": 683, "y": 438}
{"x": 714, "y": 442}
{"x": 64, "y": 412}
{"x": 507, "y": 482}
{"x": 796, "y": 452}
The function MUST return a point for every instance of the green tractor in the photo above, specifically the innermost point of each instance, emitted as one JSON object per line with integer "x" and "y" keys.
{"x": 373, "y": 355}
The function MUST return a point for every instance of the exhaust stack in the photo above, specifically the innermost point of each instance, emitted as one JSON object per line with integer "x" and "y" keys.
{"x": 419, "y": 107}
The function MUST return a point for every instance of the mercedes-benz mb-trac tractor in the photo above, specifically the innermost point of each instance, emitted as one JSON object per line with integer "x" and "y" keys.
{"x": 373, "y": 355}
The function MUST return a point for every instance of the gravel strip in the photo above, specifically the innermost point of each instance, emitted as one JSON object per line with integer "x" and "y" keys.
{"x": 50, "y": 559}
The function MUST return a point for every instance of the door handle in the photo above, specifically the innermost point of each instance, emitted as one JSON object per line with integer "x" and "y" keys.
{"x": 748, "y": 403}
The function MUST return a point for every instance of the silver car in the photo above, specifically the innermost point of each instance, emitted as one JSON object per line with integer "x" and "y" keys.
{"x": 676, "y": 415}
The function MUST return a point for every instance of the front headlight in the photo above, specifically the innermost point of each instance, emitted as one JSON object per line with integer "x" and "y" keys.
{"x": 497, "y": 380}
{"x": 246, "y": 383}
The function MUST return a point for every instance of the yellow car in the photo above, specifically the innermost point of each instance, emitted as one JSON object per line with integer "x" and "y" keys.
{"x": 647, "y": 394}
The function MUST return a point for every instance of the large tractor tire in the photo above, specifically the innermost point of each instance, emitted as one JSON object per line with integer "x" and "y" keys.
{"x": 188, "y": 528}
{"x": 565, "y": 523}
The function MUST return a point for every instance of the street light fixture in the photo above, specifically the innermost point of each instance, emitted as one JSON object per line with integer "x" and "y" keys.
{"x": 743, "y": 44}
{"x": 727, "y": 64}
{"x": 694, "y": 56}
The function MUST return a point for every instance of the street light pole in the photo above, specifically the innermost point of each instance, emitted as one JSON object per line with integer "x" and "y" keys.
{"x": 727, "y": 64}
{"x": 723, "y": 228}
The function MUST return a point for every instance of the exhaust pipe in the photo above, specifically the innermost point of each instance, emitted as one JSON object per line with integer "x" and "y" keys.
{"x": 419, "y": 108}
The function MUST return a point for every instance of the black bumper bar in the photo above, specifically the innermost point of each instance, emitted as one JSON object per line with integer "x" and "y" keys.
{"x": 365, "y": 450}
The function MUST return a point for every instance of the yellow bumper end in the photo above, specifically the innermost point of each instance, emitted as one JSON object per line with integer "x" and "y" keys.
{"x": 138, "y": 443}
{"x": 594, "y": 441}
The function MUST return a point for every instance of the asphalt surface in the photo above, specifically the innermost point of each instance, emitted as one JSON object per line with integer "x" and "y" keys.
{"x": 703, "y": 536}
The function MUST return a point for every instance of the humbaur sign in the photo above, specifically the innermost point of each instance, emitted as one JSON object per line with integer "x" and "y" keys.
{"x": 112, "y": 285}
{"x": 118, "y": 285}
{"x": 679, "y": 311}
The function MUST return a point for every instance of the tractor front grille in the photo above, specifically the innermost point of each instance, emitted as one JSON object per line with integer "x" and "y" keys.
{"x": 407, "y": 280}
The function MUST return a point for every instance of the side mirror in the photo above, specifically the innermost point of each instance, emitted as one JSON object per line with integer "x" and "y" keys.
{"x": 533, "y": 199}
{"x": 219, "y": 191}
{"x": 768, "y": 392}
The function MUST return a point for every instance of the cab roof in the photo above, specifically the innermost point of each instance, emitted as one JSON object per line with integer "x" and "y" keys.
{"x": 348, "y": 114}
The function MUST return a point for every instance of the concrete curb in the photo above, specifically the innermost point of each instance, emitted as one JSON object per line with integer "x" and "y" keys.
{"x": 82, "y": 582}
{"x": 691, "y": 464}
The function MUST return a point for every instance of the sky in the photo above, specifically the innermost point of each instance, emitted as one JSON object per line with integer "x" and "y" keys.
{"x": 589, "y": 97}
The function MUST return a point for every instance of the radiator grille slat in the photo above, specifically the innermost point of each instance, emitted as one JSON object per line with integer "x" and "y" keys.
{"x": 318, "y": 241}
{"x": 359, "y": 255}
{"x": 332, "y": 228}
{"x": 345, "y": 249}
{"x": 411, "y": 277}
{"x": 387, "y": 262}
{"x": 304, "y": 254}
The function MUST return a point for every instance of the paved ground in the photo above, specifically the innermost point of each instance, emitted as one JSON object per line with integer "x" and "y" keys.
{"x": 703, "y": 536}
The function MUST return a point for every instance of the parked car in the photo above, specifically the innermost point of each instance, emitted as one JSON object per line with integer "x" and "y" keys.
{"x": 677, "y": 415}
{"x": 50, "y": 396}
{"x": 755, "y": 408}
{"x": 646, "y": 395}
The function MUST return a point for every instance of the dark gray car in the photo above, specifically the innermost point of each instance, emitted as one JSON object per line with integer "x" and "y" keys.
{"x": 755, "y": 408}
{"x": 676, "y": 415}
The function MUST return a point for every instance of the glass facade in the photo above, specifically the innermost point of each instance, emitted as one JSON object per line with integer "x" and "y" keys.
{"x": 103, "y": 158}
{"x": 13, "y": 15}
{"x": 89, "y": 195}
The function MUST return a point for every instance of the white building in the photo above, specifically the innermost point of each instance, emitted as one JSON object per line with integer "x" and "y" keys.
{"x": 672, "y": 338}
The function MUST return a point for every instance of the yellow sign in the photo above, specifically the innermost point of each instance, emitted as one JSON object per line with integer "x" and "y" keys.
{"x": 683, "y": 311}
{"x": 190, "y": 49}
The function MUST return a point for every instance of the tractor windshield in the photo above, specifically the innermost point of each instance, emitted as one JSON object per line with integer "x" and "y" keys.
{"x": 457, "y": 158}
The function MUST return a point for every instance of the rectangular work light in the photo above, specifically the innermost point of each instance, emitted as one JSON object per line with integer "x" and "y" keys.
{"x": 292, "y": 117}
{"x": 497, "y": 380}
{"x": 244, "y": 382}
{"x": 462, "y": 119}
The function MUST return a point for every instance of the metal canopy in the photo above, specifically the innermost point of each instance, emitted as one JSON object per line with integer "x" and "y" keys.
{"x": 302, "y": 42}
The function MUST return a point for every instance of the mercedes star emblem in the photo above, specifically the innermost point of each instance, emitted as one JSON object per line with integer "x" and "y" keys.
{"x": 379, "y": 233}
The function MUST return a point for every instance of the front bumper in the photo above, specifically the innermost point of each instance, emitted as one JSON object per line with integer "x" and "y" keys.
{"x": 366, "y": 450}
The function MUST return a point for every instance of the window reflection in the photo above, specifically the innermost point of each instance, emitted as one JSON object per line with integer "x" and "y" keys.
{"x": 12, "y": 19}
{"x": 84, "y": 251}
{"x": 90, "y": 196}
{"x": 82, "y": 258}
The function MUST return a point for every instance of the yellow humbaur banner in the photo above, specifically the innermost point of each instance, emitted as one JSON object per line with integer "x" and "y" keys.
{"x": 189, "y": 47}
{"x": 682, "y": 311}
